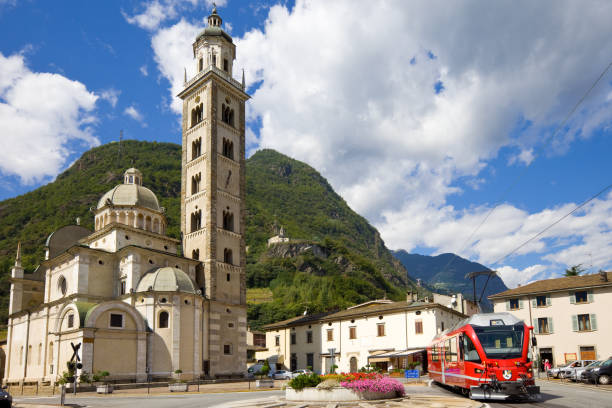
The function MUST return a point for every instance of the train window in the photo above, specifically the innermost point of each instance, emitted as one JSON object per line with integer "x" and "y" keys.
{"x": 434, "y": 354}
{"x": 453, "y": 349}
{"x": 447, "y": 354}
{"x": 469, "y": 351}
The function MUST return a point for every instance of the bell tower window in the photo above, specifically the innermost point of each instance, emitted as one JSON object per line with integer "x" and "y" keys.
{"x": 197, "y": 114}
{"x": 228, "y": 221}
{"x": 195, "y": 183}
{"x": 227, "y": 256}
{"x": 200, "y": 64}
{"x": 214, "y": 60}
{"x": 228, "y": 149}
{"x": 225, "y": 65}
{"x": 196, "y": 220}
{"x": 227, "y": 115}
{"x": 196, "y": 148}
{"x": 195, "y": 254}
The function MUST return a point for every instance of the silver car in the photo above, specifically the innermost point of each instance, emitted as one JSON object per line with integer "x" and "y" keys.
{"x": 574, "y": 374}
{"x": 559, "y": 372}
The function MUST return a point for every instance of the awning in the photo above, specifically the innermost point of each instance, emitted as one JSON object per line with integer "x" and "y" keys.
{"x": 387, "y": 356}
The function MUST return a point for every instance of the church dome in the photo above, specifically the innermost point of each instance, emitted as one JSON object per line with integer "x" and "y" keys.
{"x": 131, "y": 192}
{"x": 166, "y": 279}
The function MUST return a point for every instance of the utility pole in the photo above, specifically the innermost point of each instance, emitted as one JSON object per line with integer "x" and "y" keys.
{"x": 473, "y": 275}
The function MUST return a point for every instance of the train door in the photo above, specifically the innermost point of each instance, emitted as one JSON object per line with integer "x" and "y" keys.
{"x": 451, "y": 362}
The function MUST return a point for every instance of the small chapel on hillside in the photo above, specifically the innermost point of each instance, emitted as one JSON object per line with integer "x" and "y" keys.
{"x": 130, "y": 300}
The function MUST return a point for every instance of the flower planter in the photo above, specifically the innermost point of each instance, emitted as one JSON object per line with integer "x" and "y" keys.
{"x": 104, "y": 389}
{"x": 264, "y": 384}
{"x": 178, "y": 387}
{"x": 335, "y": 394}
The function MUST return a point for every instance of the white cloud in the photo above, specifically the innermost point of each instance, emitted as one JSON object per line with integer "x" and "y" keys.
{"x": 349, "y": 89}
{"x": 43, "y": 117}
{"x": 157, "y": 12}
{"x": 133, "y": 113}
{"x": 144, "y": 70}
{"x": 513, "y": 277}
{"x": 110, "y": 95}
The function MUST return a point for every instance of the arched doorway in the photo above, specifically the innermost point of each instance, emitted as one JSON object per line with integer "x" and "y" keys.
{"x": 353, "y": 364}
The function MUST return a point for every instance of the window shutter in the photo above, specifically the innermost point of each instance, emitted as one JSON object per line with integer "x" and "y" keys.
{"x": 534, "y": 303}
{"x": 593, "y": 322}
{"x": 521, "y": 305}
{"x": 590, "y": 296}
{"x": 572, "y": 297}
{"x": 575, "y": 322}
{"x": 507, "y": 304}
{"x": 550, "y": 325}
{"x": 547, "y": 300}
{"x": 535, "y": 326}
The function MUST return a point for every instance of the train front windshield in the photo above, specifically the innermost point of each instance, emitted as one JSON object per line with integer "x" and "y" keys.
{"x": 501, "y": 342}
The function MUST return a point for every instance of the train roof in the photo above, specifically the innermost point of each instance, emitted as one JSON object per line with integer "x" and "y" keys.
{"x": 483, "y": 319}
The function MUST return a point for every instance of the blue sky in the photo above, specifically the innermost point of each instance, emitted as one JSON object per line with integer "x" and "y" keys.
{"x": 420, "y": 114}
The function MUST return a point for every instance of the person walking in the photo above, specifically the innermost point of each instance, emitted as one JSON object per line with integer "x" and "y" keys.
{"x": 547, "y": 366}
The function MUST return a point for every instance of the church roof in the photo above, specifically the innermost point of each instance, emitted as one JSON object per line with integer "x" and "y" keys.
{"x": 214, "y": 31}
{"x": 166, "y": 279}
{"x": 130, "y": 194}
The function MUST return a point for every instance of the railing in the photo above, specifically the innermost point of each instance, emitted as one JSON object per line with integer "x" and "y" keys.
{"x": 217, "y": 71}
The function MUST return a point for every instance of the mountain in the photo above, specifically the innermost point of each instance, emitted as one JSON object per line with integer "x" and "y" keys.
{"x": 446, "y": 273}
{"x": 336, "y": 258}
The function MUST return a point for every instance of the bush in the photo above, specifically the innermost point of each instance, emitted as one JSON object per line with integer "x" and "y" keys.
{"x": 304, "y": 381}
{"x": 264, "y": 370}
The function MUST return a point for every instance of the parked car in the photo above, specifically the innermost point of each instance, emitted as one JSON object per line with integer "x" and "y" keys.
{"x": 6, "y": 401}
{"x": 573, "y": 366}
{"x": 282, "y": 375}
{"x": 300, "y": 372}
{"x": 560, "y": 370}
{"x": 600, "y": 374}
{"x": 253, "y": 370}
{"x": 575, "y": 373}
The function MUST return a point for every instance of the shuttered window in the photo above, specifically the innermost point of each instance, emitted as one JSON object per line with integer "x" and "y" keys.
{"x": 584, "y": 322}
{"x": 352, "y": 332}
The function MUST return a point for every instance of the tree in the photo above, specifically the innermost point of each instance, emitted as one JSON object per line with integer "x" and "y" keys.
{"x": 574, "y": 270}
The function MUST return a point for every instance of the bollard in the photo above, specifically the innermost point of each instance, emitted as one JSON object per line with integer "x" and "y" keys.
{"x": 62, "y": 394}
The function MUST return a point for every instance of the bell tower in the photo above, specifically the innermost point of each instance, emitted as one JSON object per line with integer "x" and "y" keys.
{"x": 213, "y": 193}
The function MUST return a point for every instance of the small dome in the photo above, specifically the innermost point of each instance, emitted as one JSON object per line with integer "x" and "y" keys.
{"x": 166, "y": 279}
{"x": 131, "y": 192}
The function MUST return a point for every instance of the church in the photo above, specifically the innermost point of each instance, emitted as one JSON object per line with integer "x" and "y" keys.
{"x": 130, "y": 300}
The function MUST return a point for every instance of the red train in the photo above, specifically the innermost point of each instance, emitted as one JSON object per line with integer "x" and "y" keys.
{"x": 485, "y": 356}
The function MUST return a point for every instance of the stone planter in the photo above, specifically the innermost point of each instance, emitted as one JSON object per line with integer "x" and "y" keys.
{"x": 334, "y": 394}
{"x": 264, "y": 384}
{"x": 178, "y": 387}
{"x": 104, "y": 389}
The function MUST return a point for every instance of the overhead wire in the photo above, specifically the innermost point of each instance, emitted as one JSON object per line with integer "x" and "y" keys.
{"x": 524, "y": 171}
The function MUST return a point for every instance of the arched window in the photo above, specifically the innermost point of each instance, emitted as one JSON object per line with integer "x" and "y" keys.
{"x": 200, "y": 64}
{"x": 195, "y": 254}
{"x": 29, "y": 356}
{"x": 227, "y": 115}
{"x": 51, "y": 353}
{"x": 225, "y": 65}
{"x": 227, "y": 256}
{"x": 197, "y": 114}
{"x": 148, "y": 223}
{"x": 39, "y": 354}
{"x": 163, "y": 320}
{"x": 228, "y": 221}
{"x": 156, "y": 225}
{"x": 196, "y": 220}
{"x": 195, "y": 183}
{"x": 228, "y": 148}
{"x": 196, "y": 148}
{"x": 62, "y": 285}
{"x": 140, "y": 221}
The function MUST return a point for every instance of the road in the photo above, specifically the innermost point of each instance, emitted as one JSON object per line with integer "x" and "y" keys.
{"x": 554, "y": 395}
{"x": 557, "y": 395}
{"x": 154, "y": 401}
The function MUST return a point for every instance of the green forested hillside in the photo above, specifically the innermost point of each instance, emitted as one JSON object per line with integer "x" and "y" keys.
{"x": 356, "y": 266}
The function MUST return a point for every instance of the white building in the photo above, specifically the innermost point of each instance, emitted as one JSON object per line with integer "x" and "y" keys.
{"x": 380, "y": 333}
{"x": 568, "y": 315}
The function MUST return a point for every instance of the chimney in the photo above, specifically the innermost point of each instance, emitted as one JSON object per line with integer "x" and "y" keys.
{"x": 603, "y": 275}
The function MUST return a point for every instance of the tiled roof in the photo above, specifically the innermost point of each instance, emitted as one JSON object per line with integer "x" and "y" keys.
{"x": 296, "y": 321}
{"x": 558, "y": 284}
{"x": 375, "y": 309}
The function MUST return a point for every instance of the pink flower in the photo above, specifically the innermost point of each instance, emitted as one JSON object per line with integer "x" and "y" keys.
{"x": 384, "y": 385}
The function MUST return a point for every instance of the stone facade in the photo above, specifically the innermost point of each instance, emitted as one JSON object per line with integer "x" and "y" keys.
{"x": 125, "y": 293}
